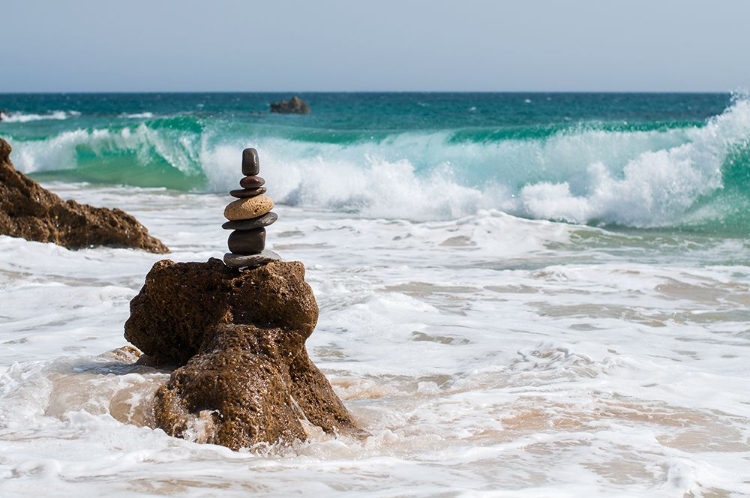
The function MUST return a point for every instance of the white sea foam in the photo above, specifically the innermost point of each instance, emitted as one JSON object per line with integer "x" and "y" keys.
{"x": 176, "y": 149}
{"x": 138, "y": 115}
{"x": 55, "y": 153}
{"x": 655, "y": 187}
{"x": 485, "y": 356}
{"x": 582, "y": 175}
{"x": 20, "y": 117}
{"x": 641, "y": 179}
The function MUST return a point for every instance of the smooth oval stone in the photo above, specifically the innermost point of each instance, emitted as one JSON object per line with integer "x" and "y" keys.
{"x": 247, "y": 192}
{"x": 262, "y": 221}
{"x": 251, "y": 261}
{"x": 250, "y": 162}
{"x": 247, "y": 241}
{"x": 245, "y": 209}
{"x": 252, "y": 182}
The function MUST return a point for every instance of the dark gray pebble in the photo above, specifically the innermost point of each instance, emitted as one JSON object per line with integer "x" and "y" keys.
{"x": 247, "y": 192}
{"x": 252, "y": 261}
{"x": 247, "y": 241}
{"x": 260, "y": 221}
{"x": 252, "y": 182}
{"x": 250, "y": 162}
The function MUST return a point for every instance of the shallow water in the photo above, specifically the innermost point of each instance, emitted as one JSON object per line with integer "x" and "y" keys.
{"x": 485, "y": 356}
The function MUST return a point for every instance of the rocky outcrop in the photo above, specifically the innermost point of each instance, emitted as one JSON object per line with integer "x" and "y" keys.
{"x": 295, "y": 106}
{"x": 29, "y": 211}
{"x": 237, "y": 338}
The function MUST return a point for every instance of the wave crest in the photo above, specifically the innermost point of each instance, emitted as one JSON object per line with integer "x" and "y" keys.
{"x": 655, "y": 188}
{"x": 581, "y": 174}
{"x": 19, "y": 117}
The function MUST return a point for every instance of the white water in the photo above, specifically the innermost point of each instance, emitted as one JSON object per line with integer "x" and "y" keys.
{"x": 655, "y": 178}
{"x": 19, "y": 117}
{"x": 488, "y": 356}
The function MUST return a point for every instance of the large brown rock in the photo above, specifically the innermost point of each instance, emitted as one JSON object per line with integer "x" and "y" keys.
{"x": 238, "y": 338}
{"x": 29, "y": 211}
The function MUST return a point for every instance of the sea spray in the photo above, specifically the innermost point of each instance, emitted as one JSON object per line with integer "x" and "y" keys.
{"x": 577, "y": 360}
{"x": 634, "y": 161}
{"x": 656, "y": 187}
{"x": 26, "y": 118}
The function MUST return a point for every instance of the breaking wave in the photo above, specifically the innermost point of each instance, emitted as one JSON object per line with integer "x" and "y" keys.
{"x": 667, "y": 175}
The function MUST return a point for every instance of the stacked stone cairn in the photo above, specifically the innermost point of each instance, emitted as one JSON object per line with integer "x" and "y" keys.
{"x": 248, "y": 216}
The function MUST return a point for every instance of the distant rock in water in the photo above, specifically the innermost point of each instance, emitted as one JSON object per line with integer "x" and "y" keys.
{"x": 238, "y": 339}
{"x": 295, "y": 106}
{"x": 29, "y": 211}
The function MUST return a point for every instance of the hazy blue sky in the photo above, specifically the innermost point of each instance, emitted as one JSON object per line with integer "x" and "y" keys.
{"x": 389, "y": 45}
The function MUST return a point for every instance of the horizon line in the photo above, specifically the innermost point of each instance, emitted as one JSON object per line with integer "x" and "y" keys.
{"x": 131, "y": 92}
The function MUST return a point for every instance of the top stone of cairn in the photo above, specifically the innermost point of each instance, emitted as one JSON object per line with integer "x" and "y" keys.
{"x": 250, "y": 162}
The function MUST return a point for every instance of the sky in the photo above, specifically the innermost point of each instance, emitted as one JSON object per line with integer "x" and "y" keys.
{"x": 383, "y": 45}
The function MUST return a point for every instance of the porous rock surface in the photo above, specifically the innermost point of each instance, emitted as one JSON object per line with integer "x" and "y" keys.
{"x": 31, "y": 212}
{"x": 238, "y": 339}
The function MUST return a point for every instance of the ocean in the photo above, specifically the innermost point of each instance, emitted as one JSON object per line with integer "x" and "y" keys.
{"x": 521, "y": 295}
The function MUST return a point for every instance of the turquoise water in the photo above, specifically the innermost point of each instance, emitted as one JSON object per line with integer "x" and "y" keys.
{"x": 675, "y": 161}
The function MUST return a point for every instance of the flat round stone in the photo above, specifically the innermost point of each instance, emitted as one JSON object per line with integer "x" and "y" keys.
{"x": 250, "y": 162}
{"x": 252, "y": 182}
{"x": 247, "y": 241}
{"x": 261, "y": 221}
{"x": 247, "y": 192}
{"x": 245, "y": 209}
{"x": 252, "y": 261}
